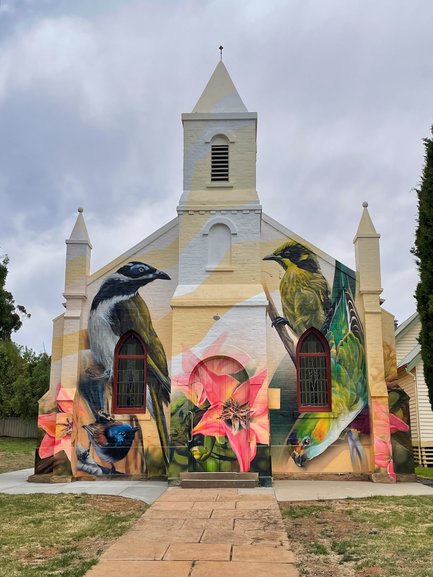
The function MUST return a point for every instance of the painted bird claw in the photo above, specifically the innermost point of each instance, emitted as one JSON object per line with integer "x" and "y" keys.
{"x": 279, "y": 321}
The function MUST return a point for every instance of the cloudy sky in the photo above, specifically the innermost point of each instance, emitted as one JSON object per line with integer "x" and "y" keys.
{"x": 91, "y": 93}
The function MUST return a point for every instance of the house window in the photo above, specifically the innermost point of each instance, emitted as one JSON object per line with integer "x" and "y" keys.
{"x": 313, "y": 372}
{"x": 219, "y": 159}
{"x": 130, "y": 372}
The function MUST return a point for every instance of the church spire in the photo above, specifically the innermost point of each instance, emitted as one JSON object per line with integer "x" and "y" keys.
{"x": 220, "y": 94}
{"x": 79, "y": 232}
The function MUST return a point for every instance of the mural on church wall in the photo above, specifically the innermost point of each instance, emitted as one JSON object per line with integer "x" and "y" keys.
{"x": 120, "y": 443}
{"x": 211, "y": 412}
{"x": 308, "y": 300}
{"x": 219, "y": 414}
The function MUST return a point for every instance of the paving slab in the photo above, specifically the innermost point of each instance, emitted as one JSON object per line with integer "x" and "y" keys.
{"x": 170, "y": 536}
{"x": 196, "y": 514}
{"x": 226, "y": 536}
{"x": 214, "y": 505}
{"x": 111, "y": 568}
{"x": 209, "y": 523}
{"x": 198, "y": 551}
{"x": 255, "y": 505}
{"x": 261, "y": 554}
{"x": 166, "y": 523}
{"x": 131, "y": 547}
{"x": 241, "y": 569}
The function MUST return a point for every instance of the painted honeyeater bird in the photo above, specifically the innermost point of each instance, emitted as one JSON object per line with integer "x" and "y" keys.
{"x": 110, "y": 439}
{"x": 304, "y": 290}
{"x": 312, "y": 433}
{"x": 116, "y": 309}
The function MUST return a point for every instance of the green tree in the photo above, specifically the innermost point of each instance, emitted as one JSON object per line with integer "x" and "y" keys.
{"x": 11, "y": 315}
{"x": 12, "y": 366}
{"x": 31, "y": 384}
{"x": 24, "y": 378}
{"x": 423, "y": 250}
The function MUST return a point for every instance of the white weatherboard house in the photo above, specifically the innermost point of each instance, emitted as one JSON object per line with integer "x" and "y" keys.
{"x": 411, "y": 379}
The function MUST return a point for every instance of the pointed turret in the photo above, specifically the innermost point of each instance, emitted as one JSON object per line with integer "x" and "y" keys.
{"x": 367, "y": 257}
{"x": 78, "y": 250}
{"x": 79, "y": 232}
{"x": 367, "y": 254}
{"x": 366, "y": 227}
{"x": 68, "y": 332}
{"x": 220, "y": 94}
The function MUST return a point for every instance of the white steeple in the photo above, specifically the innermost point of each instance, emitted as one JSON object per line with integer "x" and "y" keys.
{"x": 219, "y": 148}
{"x": 220, "y": 94}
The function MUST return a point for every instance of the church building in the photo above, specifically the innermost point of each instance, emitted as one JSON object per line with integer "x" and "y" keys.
{"x": 223, "y": 342}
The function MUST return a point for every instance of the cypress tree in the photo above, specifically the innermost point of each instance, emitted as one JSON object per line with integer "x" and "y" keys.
{"x": 423, "y": 250}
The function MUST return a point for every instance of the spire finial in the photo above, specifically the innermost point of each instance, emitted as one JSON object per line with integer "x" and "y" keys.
{"x": 221, "y": 48}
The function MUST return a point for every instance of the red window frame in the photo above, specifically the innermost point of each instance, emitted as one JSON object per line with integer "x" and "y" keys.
{"x": 117, "y": 356}
{"x": 326, "y": 356}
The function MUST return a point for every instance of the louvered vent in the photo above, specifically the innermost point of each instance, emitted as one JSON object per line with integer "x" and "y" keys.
{"x": 220, "y": 163}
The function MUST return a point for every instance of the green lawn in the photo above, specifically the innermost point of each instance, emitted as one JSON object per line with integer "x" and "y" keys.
{"x": 16, "y": 454}
{"x": 424, "y": 472}
{"x": 60, "y": 535}
{"x": 379, "y": 536}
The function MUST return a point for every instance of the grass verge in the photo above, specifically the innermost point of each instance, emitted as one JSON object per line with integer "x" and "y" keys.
{"x": 16, "y": 454}
{"x": 424, "y": 472}
{"x": 374, "y": 537}
{"x": 60, "y": 535}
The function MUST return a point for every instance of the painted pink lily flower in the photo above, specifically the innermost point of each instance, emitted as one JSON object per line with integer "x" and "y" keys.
{"x": 386, "y": 424}
{"x": 57, "y": 426}
{"x": 238, "y": 411}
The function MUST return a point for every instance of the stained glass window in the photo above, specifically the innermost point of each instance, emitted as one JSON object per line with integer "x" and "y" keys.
{"x": 129, "y": 386}
{"x": 312, "y": 358}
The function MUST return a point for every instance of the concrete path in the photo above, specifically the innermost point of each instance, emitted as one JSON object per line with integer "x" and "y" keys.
{"x": 148, "y": 491}
{"x": 318, "y": 490}
{"x": 204, "y": 533}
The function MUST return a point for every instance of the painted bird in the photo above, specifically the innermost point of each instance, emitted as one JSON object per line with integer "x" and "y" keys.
{"x": 110, "y": 439}
{"x": 313, "y": 433}
{"x": 116, "y": 309}
{"x": 303, "y": 288}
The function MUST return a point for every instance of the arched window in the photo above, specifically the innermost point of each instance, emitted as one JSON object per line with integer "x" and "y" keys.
{"x": 130, "y": 372}
{"x": 219, "y": 246}
{"x": 219, "y": 159}
{"x": 313, "y": 372}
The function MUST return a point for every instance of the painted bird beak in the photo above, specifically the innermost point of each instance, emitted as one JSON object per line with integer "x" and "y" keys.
{"x": 162, "y": 275}
{"x": 272, "y": 257}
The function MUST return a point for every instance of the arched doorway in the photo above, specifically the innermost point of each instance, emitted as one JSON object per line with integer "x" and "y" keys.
{"x": 219, "y": 439}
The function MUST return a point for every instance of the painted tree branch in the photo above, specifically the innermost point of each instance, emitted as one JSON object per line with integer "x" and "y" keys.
{"x": 283, "y": 333}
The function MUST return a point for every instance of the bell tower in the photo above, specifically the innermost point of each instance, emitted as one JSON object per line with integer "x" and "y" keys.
{"x": 219, "y": 147}
{"x": 219, "y": 212}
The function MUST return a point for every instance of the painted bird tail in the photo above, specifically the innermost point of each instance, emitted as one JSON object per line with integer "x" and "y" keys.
{"x": 92, "y": 389}
{"x": 357, "y": 453}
